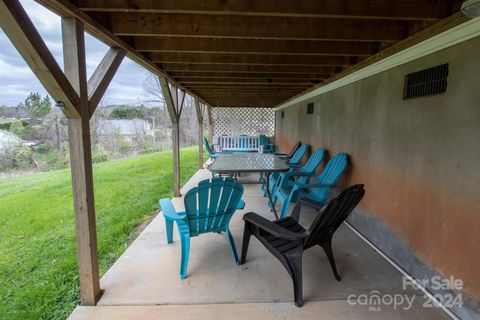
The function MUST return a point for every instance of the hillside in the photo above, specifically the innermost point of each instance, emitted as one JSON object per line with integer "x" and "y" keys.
{"x": 38, "y": 268}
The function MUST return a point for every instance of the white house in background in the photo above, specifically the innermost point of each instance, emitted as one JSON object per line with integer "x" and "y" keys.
{"x": 9, "y": 139}
{"x": 131, "y": 129}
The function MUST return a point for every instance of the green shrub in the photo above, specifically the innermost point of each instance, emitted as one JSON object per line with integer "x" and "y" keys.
{"x": 98, "y": 157}
{"x": 16, "y": 157}
{"x": 17, "y": 127}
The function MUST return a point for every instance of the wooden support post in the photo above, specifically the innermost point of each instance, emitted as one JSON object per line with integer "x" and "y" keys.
{"x": 200, "y": 110}
{"x": 81, "y": 163}
{"x": 210, "y": 124}
{"x": 174, "y": 101}
{"x": 71, "y": 90}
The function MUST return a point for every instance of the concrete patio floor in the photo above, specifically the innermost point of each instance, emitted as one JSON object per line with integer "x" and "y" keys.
{"x": 144, "y": 283}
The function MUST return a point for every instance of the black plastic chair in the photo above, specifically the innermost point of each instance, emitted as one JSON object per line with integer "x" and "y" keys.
{"x": 286, "y": 239}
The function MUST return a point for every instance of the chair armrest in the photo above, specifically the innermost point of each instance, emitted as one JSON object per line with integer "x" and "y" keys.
{"x": 169, "y": 211}
{"x": 311, "y": 203}
{"x": 308, "y": 202}
{"x": 300, "y": 174}
{"x": 241, "y": 204}
{"x": 280, "y": 154}
{"x": 272, "y": 228}
{"x": 314, "y": 185}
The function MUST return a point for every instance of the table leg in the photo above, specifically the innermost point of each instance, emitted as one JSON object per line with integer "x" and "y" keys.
{"x": 267, "y": 186}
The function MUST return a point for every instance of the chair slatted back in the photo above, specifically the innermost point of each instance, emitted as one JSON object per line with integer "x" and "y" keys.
{"x": 333, "y": 214}
{"x": 312, "y": 164}
{"x": 210, "y": 206}
{"x": 207, "y": 146}
{"x": 314, "y": 161}
{"x": 330, "y": 175}
{"x": 298, "y": 155}
{"x": 294, "y": 149}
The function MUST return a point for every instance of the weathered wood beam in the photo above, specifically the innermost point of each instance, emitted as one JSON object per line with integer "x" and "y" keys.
{"x": 245, "y": 94}
{"x": 24, "y": 36}
{"x": 238, "y": 75}
{"x": 254, "y": 46}
{"x": 251, "y": 59}
{"x": 421, "y": 9}
{"x": 81, "y": 163}
{"x": 66, "y": 8}
{"x": 272, "y": 86}
{"x": 226, "y": 92}
{"x": 103, "y": 75}
{"x": 188, "y": 81}
{"x": 191, "y": 67}
{"x": 210, "y": 123}
{"x": 174, "y": 110}
{"x": 200, "y": 111}
{"x": 254, "y": 27}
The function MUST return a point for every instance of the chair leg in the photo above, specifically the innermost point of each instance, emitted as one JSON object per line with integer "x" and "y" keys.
{"x": 232, "y": 246}
{"x": 169, "y": 230}
{"x": 295, "y": 266}
{"x": 185, "y": 240}
{"x": 245, "y": 243}
{"x": 285, "y": 204}
{"x": 327, "y": 247}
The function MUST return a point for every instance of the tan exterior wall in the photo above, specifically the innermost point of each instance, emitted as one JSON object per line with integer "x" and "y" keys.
{"x": 419, "y": 158}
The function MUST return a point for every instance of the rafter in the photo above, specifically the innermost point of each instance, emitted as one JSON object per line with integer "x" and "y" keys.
{"x": 254, "y": 27}
{"x": 191, "y": 67}
{"x": 226, "y": 75}
{"x": 251, "y": 59}
{"x": 190, "y": 81}
{"x": 421, "y": 9}
{"x": 254, "y": 46}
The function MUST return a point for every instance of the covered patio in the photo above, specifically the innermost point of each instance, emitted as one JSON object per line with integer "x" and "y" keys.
{"x": 144, "y": 281}
{"x": 365, "y": 78}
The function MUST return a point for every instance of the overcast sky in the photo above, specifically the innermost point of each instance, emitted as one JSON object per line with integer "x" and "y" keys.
{"x": 17, "y": 80}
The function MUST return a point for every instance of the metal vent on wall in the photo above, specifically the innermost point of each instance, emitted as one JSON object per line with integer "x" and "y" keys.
{"x": 426, "y": 82}
{"x": 310, "y": 108}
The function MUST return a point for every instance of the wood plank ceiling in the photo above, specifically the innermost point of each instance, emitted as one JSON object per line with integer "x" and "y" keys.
{"x": 261, "y": 52}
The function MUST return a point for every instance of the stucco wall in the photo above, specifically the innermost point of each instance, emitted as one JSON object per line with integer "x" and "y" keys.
{"x": 419, "y": 158}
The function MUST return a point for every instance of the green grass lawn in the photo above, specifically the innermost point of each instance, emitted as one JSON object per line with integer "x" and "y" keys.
{"x": 38, "y": 267}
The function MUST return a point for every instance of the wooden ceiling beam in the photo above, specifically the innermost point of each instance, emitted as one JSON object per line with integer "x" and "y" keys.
{"x": 188, "y": 81}
{"x": 372, "y": 9}
{"x": 220, "y": 58}
{"x": 191, "y": 67}
{"x": 251, "y": 91}
{"x": 253, "y": 27}
{"x": 254, "y": 46}
{"x": 203, "y": 75}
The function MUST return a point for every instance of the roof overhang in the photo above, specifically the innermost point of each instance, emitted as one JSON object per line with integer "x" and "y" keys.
{"x": 259, "y": 53}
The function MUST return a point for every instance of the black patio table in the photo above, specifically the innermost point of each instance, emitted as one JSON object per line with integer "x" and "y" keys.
{"x": 262, "y": 163}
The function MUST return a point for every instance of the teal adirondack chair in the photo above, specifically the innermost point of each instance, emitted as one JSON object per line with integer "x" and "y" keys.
{"x": 291, "y": 192}
{"x": 293, "y": 162}
{"x": 213, "y": 154}
{"x": 308, "y": 170}
{"x": 208, "y": 208}
{"x": 266, "y": 146}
